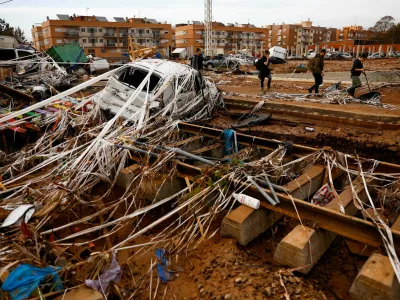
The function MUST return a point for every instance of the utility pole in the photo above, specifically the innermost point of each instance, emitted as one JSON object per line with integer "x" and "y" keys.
{"x": 208, "y": 27}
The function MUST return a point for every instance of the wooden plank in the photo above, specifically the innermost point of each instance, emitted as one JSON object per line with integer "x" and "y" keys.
{"x": 184, "y": 142}
{"x": 207, "y": 148}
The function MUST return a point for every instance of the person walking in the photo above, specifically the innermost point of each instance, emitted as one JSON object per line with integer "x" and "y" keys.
{"x": 356, "y": 71}
{"x": 197, "y": 60}
{"x": 316, "y": 66}
{"x": 265, "y": 72}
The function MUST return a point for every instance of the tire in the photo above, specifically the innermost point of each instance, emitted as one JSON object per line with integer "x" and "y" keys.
{"x": 209, "y": 66}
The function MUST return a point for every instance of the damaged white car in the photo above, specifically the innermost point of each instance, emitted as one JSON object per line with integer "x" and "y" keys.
{"x": 158, "y": 86}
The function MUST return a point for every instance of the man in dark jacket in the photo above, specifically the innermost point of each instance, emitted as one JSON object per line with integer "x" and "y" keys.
{"x": 316, "y": 66}
{"x": 197, "y": 60}
{"x": 265, "y": 72}
{"x": 356, "y": 71}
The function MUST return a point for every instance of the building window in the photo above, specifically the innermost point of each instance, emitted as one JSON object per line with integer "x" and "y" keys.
{"x": 100, "y": 30}
{"x": 91, "y": 51}
{"x": 284, "y": 29}
{"x": 83, "y": 29}
{"x": 101, "y": 40}
{"x": 59, "y": 41}
{"x": 103, "y": 50}
{"x": 298, "y": 43}
{"x": 310, "y": 43}
{"x": 147, "y": 31}
{"x": 165, "y": 32}
{"x": 84, "y": 41}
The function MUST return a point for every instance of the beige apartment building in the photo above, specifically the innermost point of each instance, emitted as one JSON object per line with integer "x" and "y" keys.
{"x": 354, "y": 32}
{"x": 226, "y": 38}
{"x": 297, "y": 38}
{"x": 100, "y": 37}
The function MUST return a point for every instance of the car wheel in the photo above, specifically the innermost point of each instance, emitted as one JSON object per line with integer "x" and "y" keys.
{"x": 210, "y": 66}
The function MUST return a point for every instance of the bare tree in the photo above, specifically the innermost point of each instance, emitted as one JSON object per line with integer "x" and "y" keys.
{"x": 19, "y": 35}
{"x": 384, "y": 24}
{"x": 5, "y": 28}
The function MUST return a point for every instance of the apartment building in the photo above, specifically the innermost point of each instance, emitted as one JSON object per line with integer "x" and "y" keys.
{"x": 353, "y": 32}
{"x": 226, "y": 38}
{"x": 297, "y": 38}
{"x": 100, "y": 37}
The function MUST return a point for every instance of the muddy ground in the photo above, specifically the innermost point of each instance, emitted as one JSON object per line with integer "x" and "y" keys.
{"x": 220, "y": 268}
{"x": 372, "y": 142}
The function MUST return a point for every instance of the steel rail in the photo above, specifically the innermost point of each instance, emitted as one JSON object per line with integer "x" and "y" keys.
{"x": 271, "y": 144}
{"x": 349, "y": 118}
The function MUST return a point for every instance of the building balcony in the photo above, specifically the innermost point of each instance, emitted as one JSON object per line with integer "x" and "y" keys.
{"x": 110, "y": 34}
{"x": 123, "y": 34}
{"x": 110, "y": 44}
{"x": 71, "y": 33}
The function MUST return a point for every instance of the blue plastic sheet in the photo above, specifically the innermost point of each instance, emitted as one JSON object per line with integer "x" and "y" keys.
{"x": 163, "y": 273}
{"x": 24, "y": 279}
{"x": 228, "y": 135}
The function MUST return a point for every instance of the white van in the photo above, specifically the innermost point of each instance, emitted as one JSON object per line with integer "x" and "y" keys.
{"x": 23, "y": 59}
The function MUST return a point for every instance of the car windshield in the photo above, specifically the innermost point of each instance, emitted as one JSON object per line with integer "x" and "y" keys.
{"x": 134, "y": 77}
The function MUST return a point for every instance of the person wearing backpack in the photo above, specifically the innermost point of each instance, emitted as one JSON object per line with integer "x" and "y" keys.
{"x": 316, "y": 66}
{"x": 262, "y": 65}
{"x": 356, "y": 71}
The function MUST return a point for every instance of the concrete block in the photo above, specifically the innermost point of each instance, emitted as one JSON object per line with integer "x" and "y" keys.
{"x": 376, "y": 280}
{"x": 126, "y": 175}
{"x": 303, "y": 247}
{"x": 161, "y": 187}
{"x": 82, "y": 292}
{"x": 244, "y": 223}
{"x": 307, "y": 184}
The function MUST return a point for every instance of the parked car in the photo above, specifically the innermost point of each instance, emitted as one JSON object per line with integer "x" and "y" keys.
{"x": 311, "y": 54}
{"x": 125, "y": 82}
{"x": 217, "y": 61}
{"x": 376, "y": 55}
{"x": 292, "y": 56}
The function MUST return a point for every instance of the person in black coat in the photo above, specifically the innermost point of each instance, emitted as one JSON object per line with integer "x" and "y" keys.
{"x": 265, "y": 72}
{"x": 197, "y": 60}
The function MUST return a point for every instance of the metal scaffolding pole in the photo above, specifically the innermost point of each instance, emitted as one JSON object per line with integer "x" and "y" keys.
{"x": 208, "y": 27}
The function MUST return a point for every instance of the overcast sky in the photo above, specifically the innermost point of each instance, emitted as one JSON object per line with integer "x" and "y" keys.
{"x": 337, "y": 13}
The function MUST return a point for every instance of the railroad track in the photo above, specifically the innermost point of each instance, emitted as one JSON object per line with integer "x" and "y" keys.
{"x": 240, "y": 105}
{"x": 328, "y": 221}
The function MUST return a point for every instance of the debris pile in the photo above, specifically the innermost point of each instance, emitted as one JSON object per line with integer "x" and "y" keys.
{"x": 99, "y": 184}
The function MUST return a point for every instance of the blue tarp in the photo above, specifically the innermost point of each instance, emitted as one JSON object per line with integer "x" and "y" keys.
{"x": 228, "y": 135}
{"x": 24, "y": 279}
{"x": 163, "y": 273}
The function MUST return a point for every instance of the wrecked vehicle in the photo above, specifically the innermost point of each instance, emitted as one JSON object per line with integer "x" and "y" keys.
{"x": 156, "y": 84}
{"x": 23, "y": 60}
